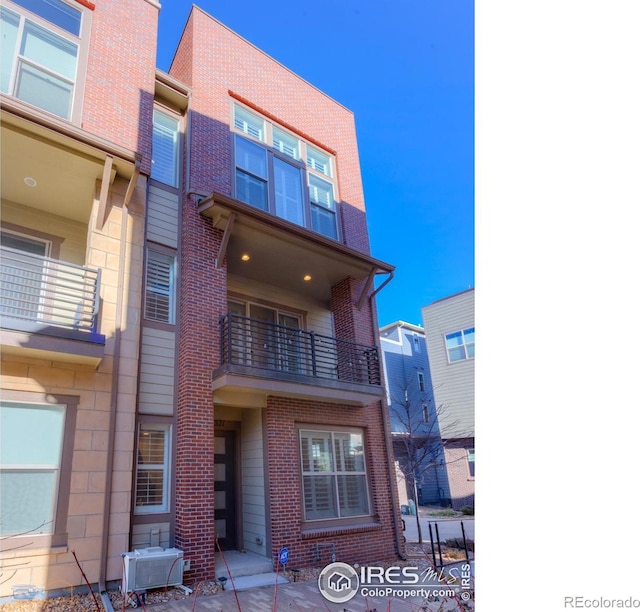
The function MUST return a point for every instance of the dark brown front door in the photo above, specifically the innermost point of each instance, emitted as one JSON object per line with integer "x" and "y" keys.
{"x": 225, "y": 485}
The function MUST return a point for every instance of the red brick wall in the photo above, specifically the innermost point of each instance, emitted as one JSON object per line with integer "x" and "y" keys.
{"x": 282, "y": 416}
{"x": 213, "y": 61}
{"x": 223, "y": 62}
{"x": 121, "y": 75}
{"x": 202, "y": 300}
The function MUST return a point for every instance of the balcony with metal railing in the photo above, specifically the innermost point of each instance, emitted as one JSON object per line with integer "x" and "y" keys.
{"x": 49, "y": 307}
{"x": 293, "y": 362}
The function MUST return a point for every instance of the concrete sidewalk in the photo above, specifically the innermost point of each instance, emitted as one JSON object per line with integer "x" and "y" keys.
{"x": 297, "y": 596}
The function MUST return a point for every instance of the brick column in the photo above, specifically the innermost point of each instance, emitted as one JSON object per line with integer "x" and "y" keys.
{"x": 202, "y": 301}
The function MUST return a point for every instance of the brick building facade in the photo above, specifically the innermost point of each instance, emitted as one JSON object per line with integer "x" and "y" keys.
{"x": 217, "y": 384}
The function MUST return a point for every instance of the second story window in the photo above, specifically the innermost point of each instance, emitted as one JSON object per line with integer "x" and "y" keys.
{"x": 280, "y": 173}
{"x": 461, "y": 345}
{"x": 165, "y": 152}
{"x": 40, "y": 53}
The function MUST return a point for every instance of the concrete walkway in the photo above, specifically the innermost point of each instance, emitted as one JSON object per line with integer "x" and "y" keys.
{"x": 295, "y": 597}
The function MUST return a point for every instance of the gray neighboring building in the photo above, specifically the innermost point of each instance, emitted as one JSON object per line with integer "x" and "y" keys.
{"x": 449, "y": 326}
{"x": 412, "y": 410}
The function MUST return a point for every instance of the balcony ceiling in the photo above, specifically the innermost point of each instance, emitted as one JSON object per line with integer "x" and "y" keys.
{"x": 282, "y": 254}
{"x": 64, "y": 167}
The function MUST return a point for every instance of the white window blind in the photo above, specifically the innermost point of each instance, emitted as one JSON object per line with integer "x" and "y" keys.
{"x": 288, "y": 188}
{"x": 152, "y": 475}
{"x": 318, "y": 161}
{"x": 248, "y": 123}
{"x": 333, "y": 475}
{"x": 159, "y": 294}
{"x": 286, "y": 143}
{"x": 164, "y": 160}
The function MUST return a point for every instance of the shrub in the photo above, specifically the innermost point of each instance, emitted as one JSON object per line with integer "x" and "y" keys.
{"x": 468, "y": 510}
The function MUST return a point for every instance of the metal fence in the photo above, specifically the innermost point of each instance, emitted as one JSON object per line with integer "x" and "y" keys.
{"x": 259, "y": 344}
{"x": 48, "y": 292}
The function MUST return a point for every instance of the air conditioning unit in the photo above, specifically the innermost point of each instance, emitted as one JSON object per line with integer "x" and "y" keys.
{"x": 151, "y": 568}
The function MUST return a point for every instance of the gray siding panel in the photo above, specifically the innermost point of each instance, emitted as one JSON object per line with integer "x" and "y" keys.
{"x": 453, "y": 383}
{"x": 157, "y": 371}
{"x": 162, "y": 225}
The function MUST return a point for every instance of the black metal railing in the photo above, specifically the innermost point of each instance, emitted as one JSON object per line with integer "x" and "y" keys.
{"x": 48, "y": 292}
{"x": 259, "y": 344}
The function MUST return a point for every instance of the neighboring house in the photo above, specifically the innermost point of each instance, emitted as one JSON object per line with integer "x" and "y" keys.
{"x": 188, "y": 341}
{"x": 413, "y": 415}
{"x": 449, "y": 326}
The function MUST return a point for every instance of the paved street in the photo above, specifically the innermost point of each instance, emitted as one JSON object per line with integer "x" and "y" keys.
{"x": 447, "y": 528}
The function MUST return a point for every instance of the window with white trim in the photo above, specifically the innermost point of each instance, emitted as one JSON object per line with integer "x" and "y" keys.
{"x": 31, "y": 445}
{"x": 461, "y": 344}
{"x": 165, "y": 150}
{"x": 160, "y": 287}
{"x": 280, "y": 173}
{"x": 41, "y": 48}
{"x": 471, "y": 461}
{"x": 334, "y": 478}
{"x": 152, "y": 472}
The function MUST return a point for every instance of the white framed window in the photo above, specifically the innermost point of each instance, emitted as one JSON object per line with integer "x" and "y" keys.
{"x": 471, "y": 461}
{"x": 461, "y": 345}
{"x": 319, "y": 161}
{"x": 152, "y": 470}
{"x": 249, "y": 123}
{"x": 334, "y": 478}
{"x": 160, "y": 287}
{"x": 42, "y": 47}
{"x": 280, "y": 173}
{"x": 425, "y": 412}
{"x": 31, "y": 457}
{"x": 165, "y": 156}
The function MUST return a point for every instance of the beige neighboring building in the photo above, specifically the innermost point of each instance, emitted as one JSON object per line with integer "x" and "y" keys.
{"x": 76, "y": 156}
{"x": 449, "y": 326}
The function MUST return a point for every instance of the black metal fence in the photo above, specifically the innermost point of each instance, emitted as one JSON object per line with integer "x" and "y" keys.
{"x": 260, "y": 344}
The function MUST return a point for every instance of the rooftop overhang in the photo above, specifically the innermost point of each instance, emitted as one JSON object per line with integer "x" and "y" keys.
{"x": 51, "y": 165}
{"x": 284, "y": 254}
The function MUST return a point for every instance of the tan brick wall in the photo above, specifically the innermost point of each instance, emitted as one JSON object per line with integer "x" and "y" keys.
{"x": 93, "y": 387}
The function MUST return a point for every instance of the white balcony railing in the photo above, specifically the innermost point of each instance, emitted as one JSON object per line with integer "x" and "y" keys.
{"x": 46, "y": 292}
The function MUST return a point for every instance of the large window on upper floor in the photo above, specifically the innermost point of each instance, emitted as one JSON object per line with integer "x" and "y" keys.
{"x": 43, "y": 42}
{"x": 165, "y": 147}
{"x": 281, "y": 173}
{"x": 461, "y": 345}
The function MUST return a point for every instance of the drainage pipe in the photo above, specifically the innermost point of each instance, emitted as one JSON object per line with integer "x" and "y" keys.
{"x": 395, "y": 502}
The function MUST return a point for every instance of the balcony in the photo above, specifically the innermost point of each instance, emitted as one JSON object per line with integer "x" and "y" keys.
{"x": 49, "y": 308}
{"x": 260, "y": 358}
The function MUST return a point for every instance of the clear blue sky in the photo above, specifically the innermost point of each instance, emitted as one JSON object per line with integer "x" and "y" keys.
{"x": 405, "y": 69}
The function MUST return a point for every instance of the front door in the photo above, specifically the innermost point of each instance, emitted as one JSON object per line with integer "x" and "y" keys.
{"x": 225, "y": 489}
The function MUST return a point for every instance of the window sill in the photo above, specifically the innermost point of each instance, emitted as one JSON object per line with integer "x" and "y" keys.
{"x": 309, "y": 533}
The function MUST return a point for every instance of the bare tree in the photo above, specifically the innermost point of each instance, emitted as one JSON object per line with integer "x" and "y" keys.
{"x": 417, "y": 438}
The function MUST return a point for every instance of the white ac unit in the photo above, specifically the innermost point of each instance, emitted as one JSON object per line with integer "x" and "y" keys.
{"x": 151, "y": 568}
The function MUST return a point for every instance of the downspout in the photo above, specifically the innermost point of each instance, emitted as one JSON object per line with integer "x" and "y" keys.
{"x": 115, "y": 384}
{"x": 395, "y": 502}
